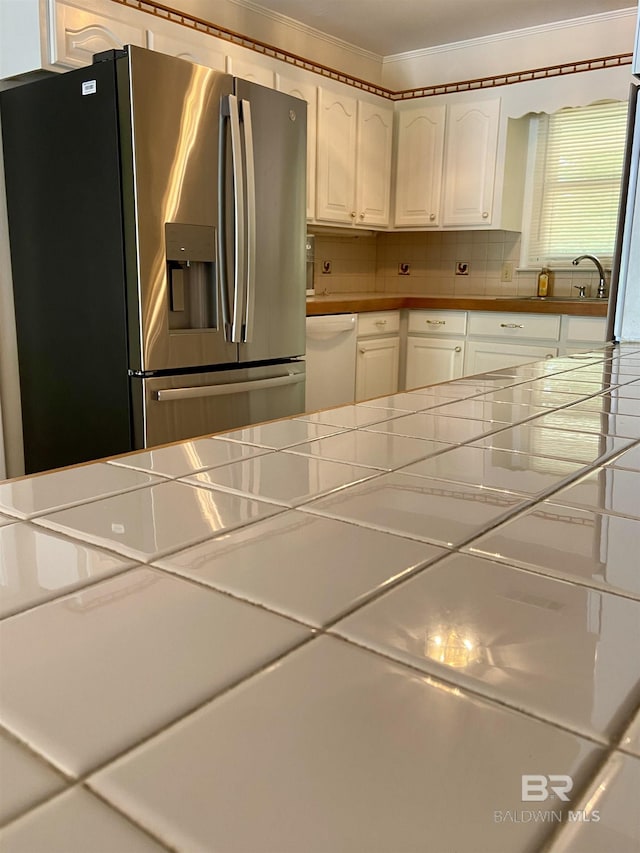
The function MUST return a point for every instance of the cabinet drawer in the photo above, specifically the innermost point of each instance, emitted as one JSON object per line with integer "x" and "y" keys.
{"x": 378, "y": 323}
{"x": 438, "y": 322}
{"x": 503, "y": 325}
{"x": 586, "y": 329}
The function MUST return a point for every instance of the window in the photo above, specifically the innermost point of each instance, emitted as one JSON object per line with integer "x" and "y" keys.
{"x": 575, "y": 171}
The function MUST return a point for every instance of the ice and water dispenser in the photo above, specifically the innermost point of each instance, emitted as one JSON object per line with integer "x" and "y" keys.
{"x": 191, "y": 271}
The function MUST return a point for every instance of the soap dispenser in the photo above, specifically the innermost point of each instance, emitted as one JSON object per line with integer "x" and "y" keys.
{"x": 543, "y": 282}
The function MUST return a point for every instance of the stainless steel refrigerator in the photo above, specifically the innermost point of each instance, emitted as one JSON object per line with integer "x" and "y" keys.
{"x": 157, "y": 230}
{"x": 624, "y": 298}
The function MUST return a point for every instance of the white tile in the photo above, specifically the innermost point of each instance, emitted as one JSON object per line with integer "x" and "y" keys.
{"x": 630, "y": 460}
{"x": 36, "y": 565}
{"x": 25, "y": 779}
{"x": 308, "y": 567}
{"x": 76, "y": 822}
{"x": 593, "y": 548}
{"x": 336, "y": 749}
{"x": 351, "y": 417}
{"x": 555, "y": 649}
{"x": 408, "y": 401}
{"x": 432, "y": 510}
{"x": 630, "y": 741}
{"x": 588, "y": 448}
{"x": 430, "y": 425}
{"x": 280, "y": 434}
{"x": 610, "y": 490}
{"x": 188, "y": 457}
{"x": 285, "y": 478}
{"x": 36, "y": 495}
{"x": 609, "y": 817}
{"x": 123, "y": 658}
{"x": 157, "y": 520}
{"x": 496, "y": 469}
{"x": 490, "y": 410}
{"x": 373, "y": 449}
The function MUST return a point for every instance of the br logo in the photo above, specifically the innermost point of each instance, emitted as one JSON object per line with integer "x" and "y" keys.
{"x": 537, "y": 788}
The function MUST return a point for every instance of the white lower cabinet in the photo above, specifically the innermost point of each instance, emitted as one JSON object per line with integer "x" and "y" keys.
{"x": 377, "y": 367}
{"x": 498, "y": 339}
{"x": 431, "y": 360}
{"x": 485, "y": 356}
{"x": 378, "y": 354}
{"x": 435, "y": 347}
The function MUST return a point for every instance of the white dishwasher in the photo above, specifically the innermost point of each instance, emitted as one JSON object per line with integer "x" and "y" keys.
{"x": 331, "y": 360}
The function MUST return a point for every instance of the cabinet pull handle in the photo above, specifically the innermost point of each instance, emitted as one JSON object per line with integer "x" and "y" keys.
{"x": 436, "y": 322}
{"x": 380, "y": 323}
{"x": 511, "y": 326}
{"x": 458, "y": 349}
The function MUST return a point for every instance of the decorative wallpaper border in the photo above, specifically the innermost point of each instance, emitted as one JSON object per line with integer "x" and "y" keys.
{"x": 159, "y": 10}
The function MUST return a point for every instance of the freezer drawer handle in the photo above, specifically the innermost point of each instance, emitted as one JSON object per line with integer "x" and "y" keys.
{"x": 170, "y": 394}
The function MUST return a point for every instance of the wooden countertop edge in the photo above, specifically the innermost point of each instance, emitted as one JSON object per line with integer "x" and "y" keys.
{"x": 355, "y": 303}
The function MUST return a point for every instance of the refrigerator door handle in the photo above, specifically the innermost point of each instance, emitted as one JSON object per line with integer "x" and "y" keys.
{"x": 223, "y": 267}
{"x": 239, "y": 250}
{"x": 250, "y": 224}
{"x": 171, "y": 394}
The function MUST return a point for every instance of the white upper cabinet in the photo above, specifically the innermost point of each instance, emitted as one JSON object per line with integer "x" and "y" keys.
{"x": 420, "y": 152}
{"x": 248, "y": 70}
{"x": 308, "y": 92}
{"x": 470, "y": 163}
{"x": 354, "y": 160}
{"x": 373, "y": 164}
{"x": 459, "y": 166}
{"x": 199, "y": 48}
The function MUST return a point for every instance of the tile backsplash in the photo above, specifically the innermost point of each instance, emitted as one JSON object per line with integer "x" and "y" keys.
{"x": 426, "y": 263}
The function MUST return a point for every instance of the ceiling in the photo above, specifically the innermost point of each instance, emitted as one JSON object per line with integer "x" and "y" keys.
{"x": 387, "y": 27}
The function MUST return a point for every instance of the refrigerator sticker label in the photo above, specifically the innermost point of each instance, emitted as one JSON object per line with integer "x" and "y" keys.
{"x": 89, "y": 87}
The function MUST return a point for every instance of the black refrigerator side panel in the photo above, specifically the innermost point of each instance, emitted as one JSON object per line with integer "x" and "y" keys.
{"x": 63, "y": 180}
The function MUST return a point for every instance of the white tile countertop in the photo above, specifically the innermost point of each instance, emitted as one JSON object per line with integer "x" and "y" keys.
{"x": 412, "y": 624}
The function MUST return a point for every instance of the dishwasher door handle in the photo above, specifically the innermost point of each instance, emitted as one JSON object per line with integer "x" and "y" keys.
{"x": 322, "y": 329}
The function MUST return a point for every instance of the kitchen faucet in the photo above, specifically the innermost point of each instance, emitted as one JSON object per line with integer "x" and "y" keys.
{"x": 601, "y": 294}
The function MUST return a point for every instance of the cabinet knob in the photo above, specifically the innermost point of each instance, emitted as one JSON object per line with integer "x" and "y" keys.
{"x": 432, "y": 217}
{"x": 362, "y": 216}
{"x": 353, "y": 214}
{"x": 485, "y": 215}
{"x": 362, "y": 350}
{"x": 458, "y": 349}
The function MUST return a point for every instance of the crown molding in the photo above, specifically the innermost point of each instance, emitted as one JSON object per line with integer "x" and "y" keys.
{"x": 526, "y": 32}
{"x": 305, "y": 29}
{"x": 190, "y": 21}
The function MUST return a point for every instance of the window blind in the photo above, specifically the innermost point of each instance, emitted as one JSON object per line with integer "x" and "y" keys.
{"x": 576, "y": 183}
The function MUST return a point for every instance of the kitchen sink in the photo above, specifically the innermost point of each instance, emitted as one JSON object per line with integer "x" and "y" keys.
{"x": 554, "y": 298}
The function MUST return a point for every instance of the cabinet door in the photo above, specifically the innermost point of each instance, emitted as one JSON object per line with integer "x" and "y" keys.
{"x": 240, "y": 67}
{"x": 377, "y": 367}
{"x": 485, "y": 356}
{"x": 470, "y": 162}
{"x": 419, "y": 165}
{"x": 78, "y": 34}
{"x": 373, "y": 164}
{"x": 197, "y": 49}
{"x": 431, "y": 360}
{"x": 309, "y": 93}
{"x": 336, "y": 173}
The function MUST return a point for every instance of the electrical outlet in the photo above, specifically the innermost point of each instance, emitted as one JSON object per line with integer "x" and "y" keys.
{"x": 462, "y": 268}
{"x": 507, "y": 271}
{"x": 326, "y": 268}
{"x": 404, "y": 268}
